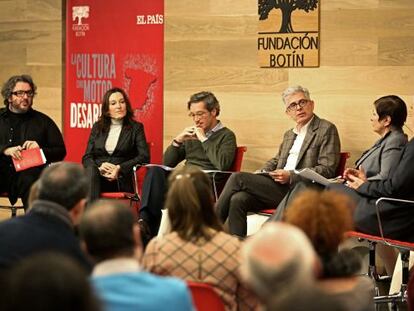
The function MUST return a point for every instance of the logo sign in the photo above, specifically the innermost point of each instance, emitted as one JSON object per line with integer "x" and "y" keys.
{"x": 79, "y": 12}
{"x": 288, "y": 34}
{"x": 109, "y": 44}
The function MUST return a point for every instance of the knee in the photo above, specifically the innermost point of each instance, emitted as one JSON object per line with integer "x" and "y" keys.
{"x": 238, "y": 202}
{"x": 237, "y": 179}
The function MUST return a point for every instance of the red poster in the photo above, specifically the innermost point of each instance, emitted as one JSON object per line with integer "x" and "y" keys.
{"x": 113, "y": 43}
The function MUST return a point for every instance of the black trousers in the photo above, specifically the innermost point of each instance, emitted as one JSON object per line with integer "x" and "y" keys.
{"x": 293, "y": 193}
{"x": 247, "y": 192}
{"x": 17, "y": 184}
{"x": 100, "y": 184}
{"x": 154, "y": 190}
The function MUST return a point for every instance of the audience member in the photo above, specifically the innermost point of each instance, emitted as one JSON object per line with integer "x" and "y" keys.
{"x": 388, "y": 117}
{"x": 21, "y": 128}
{"x": 197, "y": 249}
{"x": 49, "y": 224}
{"x": 207, "y": 144}
{"x": 280, "y": 265}
{"x": 117, "y": 143}
{"x": 48, "y": 281}
{"x": 112, "y": 238}
{"x": 325, "y": 217}
{"x": 313, "y": 143}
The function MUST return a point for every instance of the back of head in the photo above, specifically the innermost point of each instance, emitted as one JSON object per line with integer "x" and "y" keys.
{"x": 8, "y": 86}
{"x": 324, "y": 217}
{"x": 394, "y": 107}
{"x": 107, "y": 229}
{"x": 278, "y": 261}
{"x": 208, "y": 99}
{"x": 63, "y": 183}
{"x": 190, "y": 204}
{"x": 48, "y": 281}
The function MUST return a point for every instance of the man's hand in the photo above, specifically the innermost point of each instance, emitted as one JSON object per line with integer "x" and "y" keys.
{"x": 14, "y": 152}
{"x": 187, "y": 133}
{"x": 200, "y": 134}
{"x": 280, "y": 176}
{"x": 30, "y": 144}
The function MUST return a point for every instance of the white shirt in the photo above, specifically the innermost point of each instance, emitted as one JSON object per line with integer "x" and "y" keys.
{"x": 113, "y": 135}
{"x": 116, "y": 265}
{"x": 297, "y": 145}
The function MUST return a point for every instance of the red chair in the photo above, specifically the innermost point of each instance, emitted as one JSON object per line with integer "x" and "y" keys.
{"x": 205, "y": 297}
{"x": 235, "y": 167}
{"x": 132, "y": 198}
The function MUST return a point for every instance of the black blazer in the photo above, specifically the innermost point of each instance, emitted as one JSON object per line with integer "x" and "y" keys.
{"x": 397, "y": 219}
{"x": 131, "y": 148}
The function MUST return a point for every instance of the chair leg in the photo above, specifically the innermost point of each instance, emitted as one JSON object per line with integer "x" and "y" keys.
{"x": 13, "y": 211}
{"x": 401, "y": 296}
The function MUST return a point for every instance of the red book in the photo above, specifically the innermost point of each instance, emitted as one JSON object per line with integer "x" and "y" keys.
{"x": 30, "y": 158}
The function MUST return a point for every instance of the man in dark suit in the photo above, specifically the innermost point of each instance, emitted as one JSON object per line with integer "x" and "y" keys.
{"x": 49, "y": 223}
{"x": 313, "y": 143}
{"x": 397, "y": 219}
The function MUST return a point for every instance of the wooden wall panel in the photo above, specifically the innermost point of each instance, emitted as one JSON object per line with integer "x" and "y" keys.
{"x": 367, "y": 51}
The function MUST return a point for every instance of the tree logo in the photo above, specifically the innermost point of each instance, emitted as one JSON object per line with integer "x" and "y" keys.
{"x": 287, "y": 7}
{"x": 288, "y": 33}
{"x": 80, "y": 12}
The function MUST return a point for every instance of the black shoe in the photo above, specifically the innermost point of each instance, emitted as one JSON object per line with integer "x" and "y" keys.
{"x": 145, "y": 231}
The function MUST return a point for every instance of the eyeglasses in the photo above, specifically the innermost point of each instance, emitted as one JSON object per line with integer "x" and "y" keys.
{"x": 295, "y": 105}
{"x": 198, "y": 114}
{"x": 22, "y": 93}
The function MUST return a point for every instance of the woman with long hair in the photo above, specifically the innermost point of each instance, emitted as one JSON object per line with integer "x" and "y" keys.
{"x": 116, "y": 144}
{"x": 197, "y": 249}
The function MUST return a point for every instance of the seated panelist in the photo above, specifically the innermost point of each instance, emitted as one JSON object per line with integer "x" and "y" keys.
{"x": 208, "y": 144}
{"x": 116, "y": 144}
{"x": 378, "y": 162}
{"x": 23, "y": 128}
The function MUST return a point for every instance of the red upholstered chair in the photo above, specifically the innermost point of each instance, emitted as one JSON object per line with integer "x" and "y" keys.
{"x": 235, "y": 167}
{"x": 12, "y": 206}
{"x": 403, "y": 248}
{"x": 133, "y": 198}
{"x": 204, "y": 297}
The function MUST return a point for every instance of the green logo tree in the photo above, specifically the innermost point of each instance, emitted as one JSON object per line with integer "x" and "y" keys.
{"x": 287, "y": 7}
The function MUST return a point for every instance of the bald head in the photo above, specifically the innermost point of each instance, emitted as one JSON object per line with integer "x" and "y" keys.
{"x": 278, "y": 259}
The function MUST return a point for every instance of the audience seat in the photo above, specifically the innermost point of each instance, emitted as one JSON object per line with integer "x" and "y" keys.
{"x": 204, "y": 297}
{"x": 403, "y": 248}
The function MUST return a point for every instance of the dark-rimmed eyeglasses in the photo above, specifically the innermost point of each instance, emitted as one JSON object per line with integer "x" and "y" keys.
{"x": 22, "y": 93}
{"x": 198, "y": 114}
{"x": 295, "y": 105}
